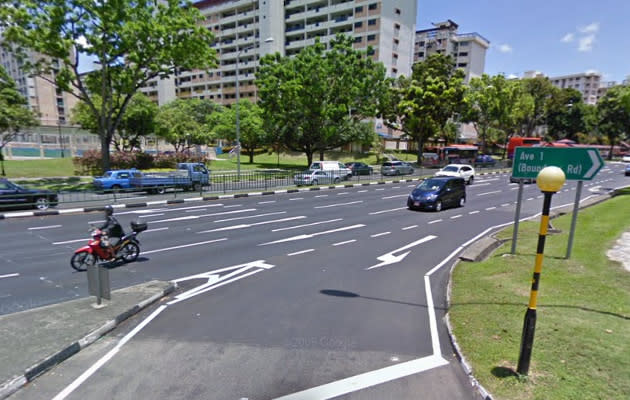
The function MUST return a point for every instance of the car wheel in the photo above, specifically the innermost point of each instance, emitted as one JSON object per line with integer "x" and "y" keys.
{"x": 160, "y": 190}
{"x": 470, "y": 180}
{"x": 462, "y": 201}
{"x": 336, "y": 180}
{"x": 116, "y": 188}
{"x": 42, "y": 203}
{"x": 438, "y": 205}
{"x": 397, "y": 173}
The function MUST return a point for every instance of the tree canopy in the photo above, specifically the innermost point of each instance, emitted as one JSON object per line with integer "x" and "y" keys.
{"x": 131, "y": 41}
{"x": 184, "y": 122}
{"x": 251, "y": 133}
{"x": 613, "y": 112}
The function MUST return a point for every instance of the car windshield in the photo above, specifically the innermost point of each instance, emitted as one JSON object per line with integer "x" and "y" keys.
{"x": 107, "y": 174}
{"x": 450, "y": 168}
{"x": 430, "y": 185}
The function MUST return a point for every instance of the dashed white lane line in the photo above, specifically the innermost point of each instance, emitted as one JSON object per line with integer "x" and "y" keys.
{"x": 322, "y": 195}
{"x": 35, "y": 228}
{"x": 456, "y": 216}
{"x": 151, "y": 215}
{"x": 300, "y": 252}
{"x": 485, "y": 193}
{"x": 303, "y": 225}
{"x": 490, "y": 208}
{"x": 297, "y": 198}
{"x": 345, "y": 242}
{"x": 183, "y": 246}
{"x": 339, "y": 194}
{"x": 242, "y": 226}
{"x": 380, "y": 189}
{"x": 361, "y": 191}
{"x": 474, "y": 212}
{"x": 380, "y": 234}
{"x": 434, "y": 221}
{"x": 9, "y": 275}
{"x": 531, "y": 198}
{"x": 396, "y": 187}
{"x": 156, "y": 229}
{"x": 250, "y": 216}
{"x": 514, "y": 188}
{"x": 539, "y": 197}
{"x": 393, "y": 197}
{"x": 409, "y": 227}
{"x": 390, "y": 210}
{"x": 340, "y": 204}
{"x": 266, "y": 202}
{"x": 505, "y": 204}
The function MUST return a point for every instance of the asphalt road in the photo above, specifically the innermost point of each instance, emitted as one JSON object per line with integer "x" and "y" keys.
{"x": 280, "y": 294}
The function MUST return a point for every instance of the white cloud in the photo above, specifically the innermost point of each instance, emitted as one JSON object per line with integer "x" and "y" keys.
{"x": 82, "y": 42}
{"x": 512, "y": 76}
{"x": 592, "y": 28}
{"x": 586, "y": 43}
{"x": 505, "y": 48}
{"x": 568, "y": 38}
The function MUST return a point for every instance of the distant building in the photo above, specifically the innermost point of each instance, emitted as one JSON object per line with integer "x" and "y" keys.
{"x": 587, "y": 83}
{"x": 467, "y": 49}
{"x": 246, "y": 30}
{"x": 605, "y": 86}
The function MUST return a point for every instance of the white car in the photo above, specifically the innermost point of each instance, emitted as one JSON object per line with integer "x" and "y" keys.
{"x": 625, "y": 159}
{"x": 461, "y": 170}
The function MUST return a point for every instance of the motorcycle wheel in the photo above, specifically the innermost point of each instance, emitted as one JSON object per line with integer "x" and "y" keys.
{"x": 129, "y": 252}
{"x": 80, "y": 261}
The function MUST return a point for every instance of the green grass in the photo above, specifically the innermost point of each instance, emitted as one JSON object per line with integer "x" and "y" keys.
{"x": 288, "y": 160}
{"x": 582, "y": 341}
{"x": 54, "y": 167}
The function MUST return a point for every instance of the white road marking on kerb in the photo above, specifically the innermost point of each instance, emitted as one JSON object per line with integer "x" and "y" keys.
{"x": 183, "y": 246}
{"x": 43, "y": 227}
{"x": 9, "y": 275}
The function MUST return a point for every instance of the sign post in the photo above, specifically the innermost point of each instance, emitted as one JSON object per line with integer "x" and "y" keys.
{"x": 577, "y": 163}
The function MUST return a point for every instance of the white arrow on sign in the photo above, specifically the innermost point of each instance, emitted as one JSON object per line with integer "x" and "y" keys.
{"x": 390, "y": 258}
{"x": 595, "y": 166}
{"x": 215, "y": 279}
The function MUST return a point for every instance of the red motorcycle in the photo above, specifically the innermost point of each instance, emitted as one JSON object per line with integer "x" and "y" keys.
{"x": 127, "y": 249}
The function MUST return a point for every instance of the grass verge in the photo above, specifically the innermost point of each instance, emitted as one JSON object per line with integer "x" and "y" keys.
{"x": 582, "y": 341}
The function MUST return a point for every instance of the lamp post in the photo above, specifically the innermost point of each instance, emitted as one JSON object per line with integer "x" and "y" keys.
{"x": 549, "y": 180}
{"x": 238, "y": 122}
{"x": 60, "y": 137}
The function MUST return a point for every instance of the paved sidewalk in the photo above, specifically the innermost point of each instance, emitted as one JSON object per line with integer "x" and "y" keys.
{"x": 35, "y": 340}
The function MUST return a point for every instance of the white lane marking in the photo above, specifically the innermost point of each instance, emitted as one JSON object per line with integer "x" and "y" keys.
{"x": 396, "y": 187}
{"x": 340, "y": 204}
{"x": 193, "y": 207}
{"x": 242, "y": 226}
{"x": 297, "y": 198}
{"x": 539, "y": 197}
{"x": 390, "y": 258}
{"x": 367, "y": 379}
{"x": 72, "y": 241}
{"x": 411, "y": 185}
{"x": 303, "y": 225}
{"x": 250, "y": 216}
{"x": 477, "y": 184}
{"x": 70, "y": 210}
{"x": 490, "y": 208}
{"x": 150, "y": 215}
{"x": 90, "y": 371}
{"x": 339, "y": 194}
{"x": 380, "y": 189}
{"x": 434, "y": 221}
{"x": 485, "y": 193}
{"x": 266, "y": 202}
{"x": 474, "y": 212}
{"x": 456, "y": 216}
{"x": 345, "y": 242}
{"x": 183, "y": 246}
{"x": 35, "y": 228}
{"x": 156, "y": 229}
{"x": 514, "y": 188}
{"x": 390, "y": 210}
{"x": 409, "y": 227}
{"x": 9, "y": 275}
{"x": 505, "y": 204}
{"x": 361, "y": 191}
{"x": 204, "y": 215}
{"x": 393, "y": 197}
{"x": 488, "y": 180}
{"x": 300, "y": 252}
{"x": 531, "y": 198}
{"x": 322, "y": 195}
{"x": 234, "y": 205}
{"x": 380, "y": 234}
{"x": 308, "y": 236}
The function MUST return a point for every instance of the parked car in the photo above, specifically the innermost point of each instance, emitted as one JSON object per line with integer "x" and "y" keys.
{"x": 459, "y": 170}
{"x": 627, "y": 173}
{"x": 333, "y": 166}
{"x": 484, "y": 160}
{"x": 115, "y": 180}
{"x": 626, "y": 158}
{"x": 437, "y": 193}
{"x": 15, "y": 196}
{"x": 359, "y": 168}
{"x": 396, "y": 168}
{"x": 316, "y": 177}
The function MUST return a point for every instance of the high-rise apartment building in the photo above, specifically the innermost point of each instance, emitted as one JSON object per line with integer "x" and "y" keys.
{"x": 587, "y": 83}
{"x": 246, "y": 30}
{"x": 467, "y": 49}
{"x": 51, "y": 105}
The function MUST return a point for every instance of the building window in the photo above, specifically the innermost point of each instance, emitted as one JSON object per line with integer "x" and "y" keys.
{"x": 358, "y": 24}
{"x": 463, "y": 54}
{"x": 372, "y": 6}
{"x": 358, "y": 9}
{"x": 421, "y": 54}
{"x": 372, "y": 22}
{"x": 461, "y": 65}
{"x": 464, "y": 44}
{"x": 397, "y": 11}
{"x": 371, "y": 37}
{"x": 358, "y": 39}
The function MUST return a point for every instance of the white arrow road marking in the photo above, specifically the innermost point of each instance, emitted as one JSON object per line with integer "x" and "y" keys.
{"x": 596, "y": 164}
{"x": 390, "y": 258}
{"x": 308, "y": 236}
{"x": 241, "y": 226}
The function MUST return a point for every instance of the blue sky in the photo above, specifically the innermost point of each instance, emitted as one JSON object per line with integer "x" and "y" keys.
{"x": 555, "y": 37}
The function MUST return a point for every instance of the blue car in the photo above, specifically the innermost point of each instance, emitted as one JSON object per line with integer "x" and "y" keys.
{"x": 484, "y": 160}
{"x": 115, "y": 180}
{"x": 437, "y": 193}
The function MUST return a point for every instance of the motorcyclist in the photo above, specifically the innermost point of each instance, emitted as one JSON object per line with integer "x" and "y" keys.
{"x": 113, "y": 230}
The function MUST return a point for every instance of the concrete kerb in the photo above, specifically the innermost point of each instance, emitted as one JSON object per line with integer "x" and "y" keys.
{"x": 207, "y": 198}
{"x": 14, "y": 384}
{"x": 479, "y": 250}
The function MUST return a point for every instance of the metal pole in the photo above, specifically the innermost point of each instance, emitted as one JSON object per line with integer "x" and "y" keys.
{"x": 517, "y": 215}
{"x": 60, "y": 138}
{"x": 238, "y": 126}
{"x": 529, "y": 325}
{"x": 576, "y": 206}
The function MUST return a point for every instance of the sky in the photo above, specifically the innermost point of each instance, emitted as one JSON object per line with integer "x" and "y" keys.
{"x": 555, "y": 37}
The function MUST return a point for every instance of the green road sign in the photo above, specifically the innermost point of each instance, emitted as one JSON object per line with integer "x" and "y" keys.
{"x": 578, "y": 163}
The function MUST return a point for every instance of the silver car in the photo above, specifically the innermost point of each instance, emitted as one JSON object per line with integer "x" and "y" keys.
{"x": 316, "y": 177}
{"x": 396, "y": 168}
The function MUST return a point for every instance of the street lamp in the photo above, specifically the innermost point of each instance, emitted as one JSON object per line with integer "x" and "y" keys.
{"x": 238, "y": 125}
{"x": 60, "y": 137}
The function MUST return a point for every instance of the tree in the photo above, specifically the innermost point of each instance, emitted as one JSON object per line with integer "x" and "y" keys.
{"x": 317, "y": 99}
{"x": 538, "y": 89}
{"x": 480, "y": 106}
{"x": 564, "y": 114}
{"x": 613, "y": 111}
{"x": 422, "y": 105}
{"x": 251, "y": 133}
{"x": 14, "y": 113}
{"x": 132, "y": 41}
{"x": 183, "y": 123}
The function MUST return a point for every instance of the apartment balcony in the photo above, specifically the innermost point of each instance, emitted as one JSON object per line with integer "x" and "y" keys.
{"x": 349, "y": 5}
{"x": 318, "y": 26}
{"x": 295, "y": 17}
{"x": 295, "y": 4}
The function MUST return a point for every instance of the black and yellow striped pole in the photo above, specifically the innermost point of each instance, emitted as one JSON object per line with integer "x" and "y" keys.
{"x": 549, "y": 180}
